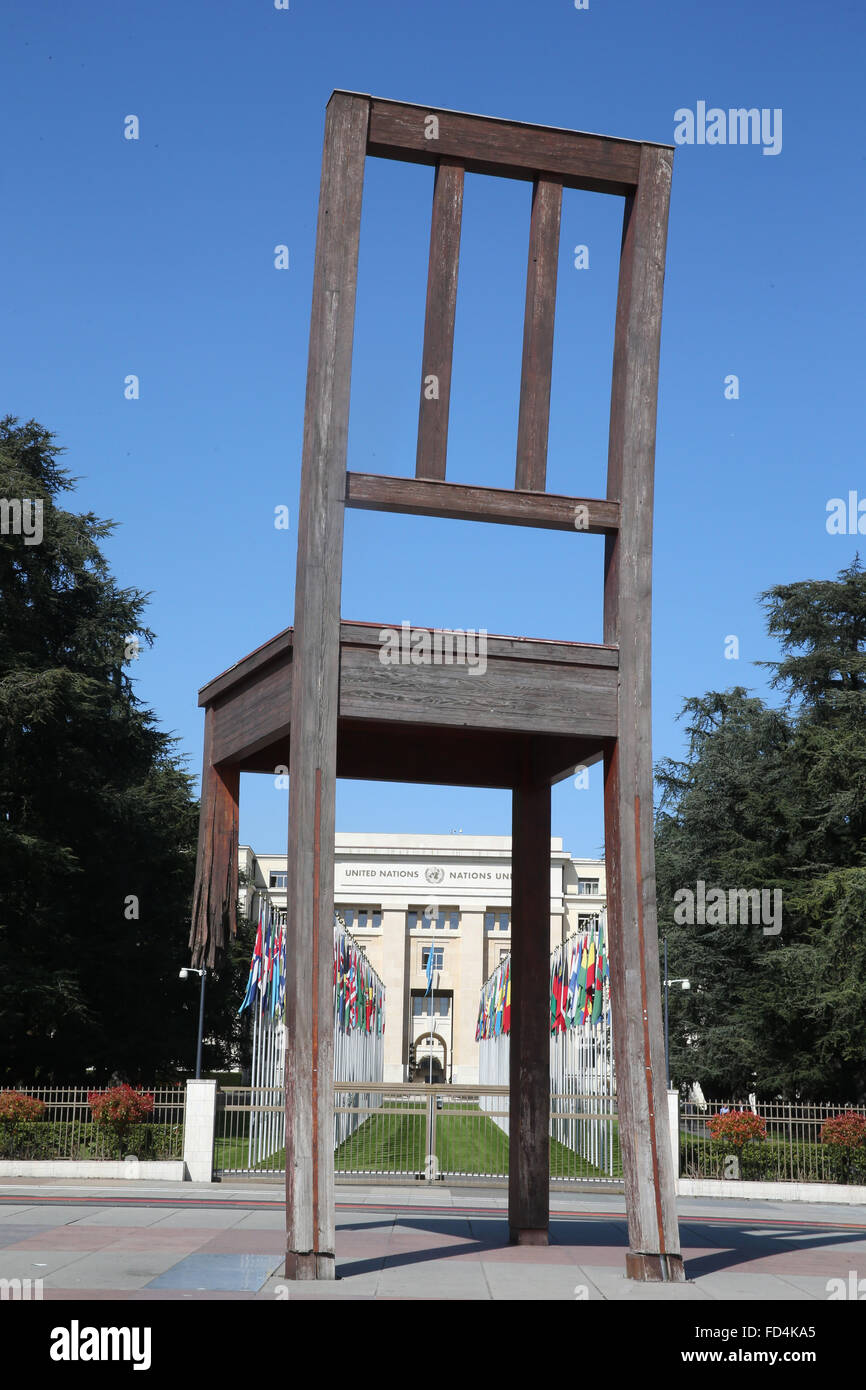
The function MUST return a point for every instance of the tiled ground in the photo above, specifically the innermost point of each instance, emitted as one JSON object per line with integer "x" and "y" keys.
{"x": 167, "y": 1241}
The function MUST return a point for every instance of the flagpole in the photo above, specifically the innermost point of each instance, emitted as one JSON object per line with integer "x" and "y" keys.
{"x": 432, "y": 992}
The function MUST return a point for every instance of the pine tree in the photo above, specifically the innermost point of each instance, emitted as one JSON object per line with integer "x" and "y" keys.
{"x": 97, "y": 821}
{"x": 776, "y": 798}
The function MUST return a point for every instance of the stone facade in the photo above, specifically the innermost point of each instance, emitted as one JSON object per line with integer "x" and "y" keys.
{"x": 400, "y": 895}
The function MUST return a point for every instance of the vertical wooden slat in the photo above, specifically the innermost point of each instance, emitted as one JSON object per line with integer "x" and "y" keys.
{"x": 439, "y": 321}
{"x": 534, "y": 419}
{"x": 315, "y": 677}
{"x": 529, "y": 1057}
{"x": 654, "y": 1248}
{"x": 215, "y": 893}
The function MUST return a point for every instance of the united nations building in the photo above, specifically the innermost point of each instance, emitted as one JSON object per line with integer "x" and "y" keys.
{"x": 405, "y": 896}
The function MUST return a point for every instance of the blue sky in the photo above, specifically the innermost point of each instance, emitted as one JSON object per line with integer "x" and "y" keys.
{"x": 155, "y": 257}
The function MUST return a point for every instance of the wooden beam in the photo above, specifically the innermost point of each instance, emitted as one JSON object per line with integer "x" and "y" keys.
{"x": 508, "y": 149}
{"x": 215, "y": 894}
{"x": 439, "y": 321}
{"x": 537, "y": 366}
{"x": 315, "y": 691}
{"x": 422, "y": 497}
{"x": 529, "y": 1055}
{"x": 654, "y": 1248}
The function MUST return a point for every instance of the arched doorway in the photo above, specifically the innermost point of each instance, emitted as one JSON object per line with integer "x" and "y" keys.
{"x": 431, "y": 1057}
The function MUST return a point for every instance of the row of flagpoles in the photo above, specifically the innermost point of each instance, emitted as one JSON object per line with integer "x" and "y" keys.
{"x": 579, "y": 988}
{"x": 582, "y": 1081}
{"x": 359, "y": 1027}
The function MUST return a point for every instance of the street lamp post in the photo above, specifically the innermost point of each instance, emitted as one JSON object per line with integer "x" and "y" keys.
{"x": 684, "y": 984}
{"x": 192, "y": 970}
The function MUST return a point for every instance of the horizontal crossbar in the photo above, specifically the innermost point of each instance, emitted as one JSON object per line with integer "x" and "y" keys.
{"x": 463, "y": 502}
{"x": 507, "y": 149}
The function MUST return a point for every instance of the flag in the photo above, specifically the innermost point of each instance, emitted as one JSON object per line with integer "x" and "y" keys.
{"x": 590, "y": 981}
{"x": 599, "y": 987}
{"x": 571, "y": 1010}
{"x": 581, "y": 979}
{"x": 255, "y": 970}
{"x": 506, "y": 1012}
{"x": 429, "y": 971}
{"x": 563, "y": 995}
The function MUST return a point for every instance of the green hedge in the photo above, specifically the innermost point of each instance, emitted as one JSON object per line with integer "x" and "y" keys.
{"x": 78, "y": 1139}
{"x": 773, "y": 1160}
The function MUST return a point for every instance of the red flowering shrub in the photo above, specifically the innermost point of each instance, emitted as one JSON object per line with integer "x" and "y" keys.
{"x": 847, "y": 1130}
{"x": 120, "y": 1108}
{"x": 15, "y": 1106}
{"x": 737, "y": 1127}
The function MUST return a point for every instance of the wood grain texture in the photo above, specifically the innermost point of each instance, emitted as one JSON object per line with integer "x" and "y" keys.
{"x": 538, "y": 322}
{"x": 315, "y": 687}
{"x": 462, "y": 502}
{"x": 634, "y": 969}
{"x": 510, "y": 695}
{"x": 529, "y": 1054}
{"x": 509, "y": 149}
{"x": 439, "y": 314}
{"x": 565, "y": 689}
{"x": 215, "y": 892}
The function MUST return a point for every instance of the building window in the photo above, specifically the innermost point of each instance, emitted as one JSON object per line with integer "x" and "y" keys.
{"x": 446, "y": 919}
{"x": 497, "y": 921}
{"x": 361, "y": 918}
{"x": 503, "y": 955}
{"x": 421, "y": 1005}
{"x": 587, "y": 887}
{"x": 438, "y": 956}
{"x": 585, "y": 920}
{"x": 277, "y": 879}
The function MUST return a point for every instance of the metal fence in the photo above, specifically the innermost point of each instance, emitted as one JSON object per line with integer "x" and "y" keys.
{"x": 250, "y": 1130}
{"x": 68, "y": 1129}
{"x": 407, "y": 1132}
{"x": 787, "y": 1147}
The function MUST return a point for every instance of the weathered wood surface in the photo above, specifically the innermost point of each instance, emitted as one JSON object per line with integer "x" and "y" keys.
{"x": 439, "y": 314}
{"x": 279, "y": 650}
{"x": 315, "y": 687}
{"x": 537, "y": 363}
{"x": 215, "y": 894}
{"x": 529, "y": 686}
{"x": 544, "y": 705}
{"x": 512, "y": 695}
{"x": 461, "y": 502}
{"x": 456, "y": 757}
{"x": 509, "y": 149}
{"x": 529, "y": 1055}
{"x": 633, "y": 939}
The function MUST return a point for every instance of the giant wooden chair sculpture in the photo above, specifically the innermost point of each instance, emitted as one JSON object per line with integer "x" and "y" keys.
{"x": 318, "y": 698}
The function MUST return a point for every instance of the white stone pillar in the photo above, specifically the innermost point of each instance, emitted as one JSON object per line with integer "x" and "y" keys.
{"x": 393, "y": 974}
{"x": 467, "y": 988}
{"x": 674, "y": 1122}
{"x": 198, "y": 1130}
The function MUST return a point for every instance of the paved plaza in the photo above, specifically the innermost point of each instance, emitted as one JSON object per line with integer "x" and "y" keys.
{"x": 182, "y": 1241}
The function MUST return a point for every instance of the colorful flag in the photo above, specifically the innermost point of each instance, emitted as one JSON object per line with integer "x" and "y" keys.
{"x": 255, "y": 970}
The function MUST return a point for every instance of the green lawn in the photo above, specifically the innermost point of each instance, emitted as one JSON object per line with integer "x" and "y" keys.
{"x": 467, "y": 1142}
